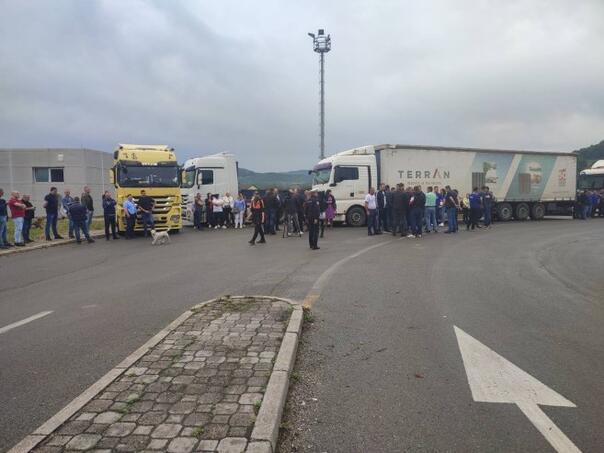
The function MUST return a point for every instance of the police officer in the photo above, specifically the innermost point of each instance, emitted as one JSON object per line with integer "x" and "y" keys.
{"x": 313, "y": 213}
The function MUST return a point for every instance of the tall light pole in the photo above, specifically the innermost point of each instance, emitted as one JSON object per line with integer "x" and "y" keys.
{"x": 322, "y": 45}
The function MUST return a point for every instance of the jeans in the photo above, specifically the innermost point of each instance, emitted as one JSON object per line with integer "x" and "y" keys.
{"x": 585, "y": 212}
{"x": 452, "y": 219}
{"x": 3, "y": 240}
{"x": 417, "y": 220}
{"x": 258, "y": 230}
{"x": 382, "y": 220}
{"x": 474, "y": 217}
{"x": 313, "y": 234}
{"x": 430, "y": 216}
{"x": 487, "y": 215}
{"x": 26, "y": 228}
{"x": 228, "y": 215}
{"x": 81, "y": 225}
{"x": 18, "y": 224}
{"x": 89, "y": 219}
{"x": 271, "y": 220}
{"x": 110, "y": 224}
{"x": 372, "y": 221}
{"x": 51, "y": 220}
{"x": 239, "y": 219}
{"x": 399, "y": 222}
{"x": 197, "y": 218}
{"x": 70, "y": 226}
{"x": 218, "y": 218}
{"x": 130, "y": 222}
{"x": 146, "y": 220}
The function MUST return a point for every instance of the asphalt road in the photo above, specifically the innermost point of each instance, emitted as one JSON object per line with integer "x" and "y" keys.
{"x": 390, "y": 376}
{"x": 385, "y": 368}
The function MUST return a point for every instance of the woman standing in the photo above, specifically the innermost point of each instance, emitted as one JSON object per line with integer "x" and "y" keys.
{"x": 258, "y": 217}
{"x": 330, "y": 211}
{"x": 209, "y": 211}
{"x": 197, "y": 211}
{"x": 239, "y": 210}
{"x": 218, "y": 212}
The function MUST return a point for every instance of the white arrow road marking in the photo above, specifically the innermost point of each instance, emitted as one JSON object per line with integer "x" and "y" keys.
{"x": 493, "y": 379}
{"x": 24, "y": 321}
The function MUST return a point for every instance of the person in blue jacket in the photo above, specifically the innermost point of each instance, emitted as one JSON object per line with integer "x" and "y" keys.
{"x": 79, "y": 214}
{"x": 475, "y": 209}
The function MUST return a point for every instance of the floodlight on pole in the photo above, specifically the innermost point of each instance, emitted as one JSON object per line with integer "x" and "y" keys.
{"x": 321, "y": 45}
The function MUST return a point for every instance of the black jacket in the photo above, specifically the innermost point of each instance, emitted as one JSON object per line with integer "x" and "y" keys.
{"x": 381, "y": 198}
{"x": 419, "y": 200}
{"x": 399, "y": 201}
{"x": 389, "y": 196}
{"x": 312, "y": 210}
{"x": 291, "y": 205}
{"x": 109, "y": 206}
{"x": 78, "y": 212}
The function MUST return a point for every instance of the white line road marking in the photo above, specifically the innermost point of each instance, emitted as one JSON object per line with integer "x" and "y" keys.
{"x": 494, "y": 379}
{"x": 24, "y": 321}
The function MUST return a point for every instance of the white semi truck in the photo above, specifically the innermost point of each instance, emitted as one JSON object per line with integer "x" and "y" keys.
{"x": 215, "y": 174}
{"x": 525, "y": 183}
{"x": 592, "y": 178}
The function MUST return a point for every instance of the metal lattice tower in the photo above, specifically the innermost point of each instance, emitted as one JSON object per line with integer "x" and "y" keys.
{"x": 321, "y": 45}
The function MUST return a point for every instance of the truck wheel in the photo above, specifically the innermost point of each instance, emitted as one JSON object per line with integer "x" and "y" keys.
{"x": 538, "y": 211}
{"x": 504, "y": 212}
{"x": 522, "y": 211}
{"x": 356, "y": 216}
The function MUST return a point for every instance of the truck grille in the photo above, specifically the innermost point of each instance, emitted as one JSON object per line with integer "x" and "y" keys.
{"x": 163, "y": 203}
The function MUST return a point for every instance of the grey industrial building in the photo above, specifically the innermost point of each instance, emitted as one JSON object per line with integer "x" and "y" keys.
{"x": 34, "y": 171}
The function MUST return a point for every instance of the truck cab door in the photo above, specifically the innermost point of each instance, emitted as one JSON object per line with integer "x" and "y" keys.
{"x": 347, "y": 180}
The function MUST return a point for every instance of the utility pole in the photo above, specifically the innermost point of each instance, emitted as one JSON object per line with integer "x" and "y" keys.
{"x": 321, "y": 45}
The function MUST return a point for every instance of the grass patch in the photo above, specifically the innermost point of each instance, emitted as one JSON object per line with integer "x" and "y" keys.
{"x": 257, "y": 405}
{"x": 308, "y": 316}
{"x": 295, "y": 377}
{"x": 198, "y": 432}
{"x": 37, "y": 234}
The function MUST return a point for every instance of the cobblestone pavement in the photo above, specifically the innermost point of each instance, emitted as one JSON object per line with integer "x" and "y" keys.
{"x": 197, "y": 390}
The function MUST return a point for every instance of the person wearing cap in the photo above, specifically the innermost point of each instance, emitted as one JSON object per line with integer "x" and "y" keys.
{"x": 313, "y": 214}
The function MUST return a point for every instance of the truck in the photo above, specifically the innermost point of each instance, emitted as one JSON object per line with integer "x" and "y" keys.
{"x": 526, "y": 184}
{"x": 215, "y": 174}
{"x": 592, "y": 178}
{"x": 152, "y": 168}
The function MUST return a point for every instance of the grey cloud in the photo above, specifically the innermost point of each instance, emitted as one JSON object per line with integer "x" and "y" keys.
{"x": 236, "y": 75}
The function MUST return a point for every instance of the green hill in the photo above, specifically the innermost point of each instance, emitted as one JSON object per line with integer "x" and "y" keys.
{"x": 281, "y": 180}
{"x": 587, "y": 156}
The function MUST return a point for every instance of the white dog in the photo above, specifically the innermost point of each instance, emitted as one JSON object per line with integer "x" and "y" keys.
{"x": 160, "y": 237}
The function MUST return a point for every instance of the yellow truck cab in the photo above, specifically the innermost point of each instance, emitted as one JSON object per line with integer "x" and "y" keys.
{"x": 152, "y": 168}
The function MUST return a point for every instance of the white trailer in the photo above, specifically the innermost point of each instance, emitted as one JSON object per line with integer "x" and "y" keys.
{"x": 525, "y": 183}
{"x": 215, "y": 174}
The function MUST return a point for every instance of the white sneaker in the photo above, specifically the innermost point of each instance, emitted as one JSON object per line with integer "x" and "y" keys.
{"x": 441, "y": 224}
{"x": 410, "y": 236}
{"x": 224, "y": 227}
{"x": 216, "y": 227}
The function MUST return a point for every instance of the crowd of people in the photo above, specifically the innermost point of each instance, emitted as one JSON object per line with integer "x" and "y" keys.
{"x": 412, "y": 212}
{"x": 407, "y": 211}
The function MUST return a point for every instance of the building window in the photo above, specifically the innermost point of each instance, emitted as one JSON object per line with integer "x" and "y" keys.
{"x": 48, "y": 174}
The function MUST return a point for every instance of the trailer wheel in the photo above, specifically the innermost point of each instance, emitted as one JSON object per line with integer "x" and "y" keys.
{"x": 522, "y": 211}
{"x": 504, "y": 212}
{"x": 356, "y": 216}
{"x": 538, "y": 211}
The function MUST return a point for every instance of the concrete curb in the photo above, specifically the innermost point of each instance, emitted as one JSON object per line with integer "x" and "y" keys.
{"x": 45, "y": 245}
{"x": 266, "y": 427}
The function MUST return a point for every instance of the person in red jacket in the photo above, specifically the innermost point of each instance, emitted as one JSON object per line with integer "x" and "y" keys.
{"x": 17, "y": 212}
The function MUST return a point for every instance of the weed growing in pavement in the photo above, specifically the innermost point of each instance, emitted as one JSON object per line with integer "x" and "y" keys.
{"x": 128, "y": 404}
{"x": 197, "y": 432}
{"x": 257, "y": 405}
{"x": 295, "y": 377}
{"x": 308, "y": 317}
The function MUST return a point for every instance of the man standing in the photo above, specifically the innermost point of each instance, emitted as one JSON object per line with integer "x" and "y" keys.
{"x": 270, "y": 204}
{"x": 66, "y": 202}
{"x": 109, "y": 215}
{"x": 398, "y": 210}
{"x": 130, "y": 212}
{"x": 487, "y": 203}
{"x": 89, "y": 205}
{"x": 300, "y": 200}
{"x": 227, "y": 209}
{"x": 17, "y": 212}
{"x": 258, "y": 218}
{"x": 291, "y": 213}
{"x": 418, "y": 205}
{"x": 79, "y": 214}
{"x": 389, "y": 194}
{"x": 430, "y": 211}
{"x": 313, "y": 213}
{"x": 475, "y": 208}
{"x": 451, "y": 204}
{"x": 29, "y": 215}
{"x": 371, "y": 208}
{"x": 382, "y": 204}
{"x": 51, "y": 204}
{"x": 145, "y": 204}
{"x": 3, "y": 220}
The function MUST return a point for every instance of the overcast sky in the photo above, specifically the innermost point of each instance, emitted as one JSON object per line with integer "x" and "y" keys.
{"x": 208, "y": 76}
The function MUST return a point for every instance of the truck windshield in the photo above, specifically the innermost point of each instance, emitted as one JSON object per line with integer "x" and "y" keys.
{"x": 189, "y": 178}
{"x": 147, "y": 176}
{"x": 591, "y": 181}
{"x": 321, "y": 174}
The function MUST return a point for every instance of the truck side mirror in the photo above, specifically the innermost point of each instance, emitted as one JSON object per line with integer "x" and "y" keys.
{"x": 112, "y": 176}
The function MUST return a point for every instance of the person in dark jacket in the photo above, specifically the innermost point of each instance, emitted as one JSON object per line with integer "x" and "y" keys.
{"x": 300, "y": 200}
{"x": 79, "y": 214}
{"x": 258, "y": 218}
{"x": 89, "y": 205}
{"x": 382, "y": 204}
{"x": 109, "y": 215}
{"x": 145, "y": 206}
{"x": 291, "y": 213}
{"x": 271, "y": 205}
{"x": 51, "y": 204}
{"x": 313, "y": 214}
{"x": 418, "y": 206}
{"x": 29, "y": 216}
{"x": 398, "y": 211}
{"x": 389, "y": 194}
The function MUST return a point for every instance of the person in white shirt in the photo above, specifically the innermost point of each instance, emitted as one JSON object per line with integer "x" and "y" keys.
{"x": 217, "y": 209}
{"x": 371, "y": 210}
{"x": 227, "y": 208}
